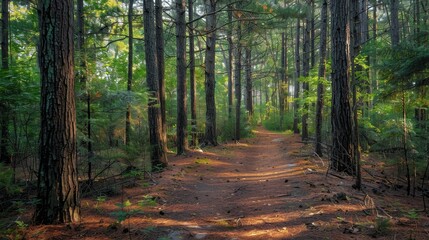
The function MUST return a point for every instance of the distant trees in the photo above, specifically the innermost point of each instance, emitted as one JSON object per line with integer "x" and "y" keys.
{"x": 57, "y": 186}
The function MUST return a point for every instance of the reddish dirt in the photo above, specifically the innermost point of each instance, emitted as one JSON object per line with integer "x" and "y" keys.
{"x": 270, "y": 186}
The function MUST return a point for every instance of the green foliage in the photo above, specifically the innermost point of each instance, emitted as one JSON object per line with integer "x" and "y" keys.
{"x": 412, "y": 214}
{"x": 7, "y": 185}
{"x": 273, "y": 122}
{"x": 227, "y": 127}
{"x": 382, "y": 226}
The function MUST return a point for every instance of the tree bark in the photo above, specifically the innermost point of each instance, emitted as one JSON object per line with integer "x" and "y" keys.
{"x": 57, "y": 186}
{"x": 282, "y": 78}
{"x": 5, "y": 156}
{"x": 230, "y": 63}
{"x": 210, "y": 131}
{"x": 321, "y": 77}
{"x": 193, "y": 84}
{"x": 394, "y": 22}
{"x": 182, "y": 120}
{"x": 130, "y": 72}
{"x": 249, "y": 84}
{"x": 297, "y": 75}
{"x": 237, "y": 81}
{"x": 306, "y": 71}
{"x": 342, "y": 149}
{"x": 157, "y": 153}
{"x": 161, "y": 70}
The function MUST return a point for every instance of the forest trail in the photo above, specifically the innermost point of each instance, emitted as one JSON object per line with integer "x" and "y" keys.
{"x": 270, "y": 186}
{"x": 266, "y": 187}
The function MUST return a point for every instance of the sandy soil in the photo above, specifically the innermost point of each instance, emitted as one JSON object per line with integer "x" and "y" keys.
{"x": 270, "y": 186}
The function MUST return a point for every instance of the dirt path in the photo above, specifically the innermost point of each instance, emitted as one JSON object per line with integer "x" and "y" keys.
{"x": 260, "y": 188}
{"x": 266, "y": 187}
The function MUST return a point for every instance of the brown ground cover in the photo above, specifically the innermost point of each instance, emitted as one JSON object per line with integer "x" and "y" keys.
{"x": 270, "y": 186}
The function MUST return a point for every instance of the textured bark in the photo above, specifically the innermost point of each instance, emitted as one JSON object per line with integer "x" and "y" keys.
{"x": 5, "y": 155}
{"x": 306, "y": 70}
{"x": 157, "y": 153}
{"x": 322, "y": 76}
{"x": 341, "y": 155}
{"x": 237, "y": 81}
{"x": 210, "y": 131}
{"x": 297, "y": 75}
{"x": 57, "y": 186}
{"x": 161, "y": 70}
{"x": 363, "y": 17}
{"x": 192, "y": 80}
{"x": 130, "y": 71}
{"x": 182, "y": 120}
{"x": 249, "y": 85}
{"x": 394, "y": 22}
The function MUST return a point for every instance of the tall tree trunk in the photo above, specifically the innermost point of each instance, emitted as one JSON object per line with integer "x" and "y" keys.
{"x": 394, "y": 22}
{"x": 283, "y": 81}
{"x": 313, "y": 36}
{"x": 230, "y": 63}
{"x": 237, "y": 81}
{"x": 342, "y": 149}
{"x": 356, "y": 39}
{"x": 161, "y": 70}
{"x": 57, "y": 186}
{"x": 182, "y": 120}
{"x": 249, "y": 87}
{"x": 321, "y": 77}
{"x": 82, "y": 75}
{"x": 373, "y": 58}
{"x": 192, "y": 80}
{"x": 306, "y": 71}
{"x": 157, "y": 153}
{"x": 5, "y": 156}
{"x": 130, "y": 72}
{"x": 210, "y": 132}
{"x": 297, "y": 75}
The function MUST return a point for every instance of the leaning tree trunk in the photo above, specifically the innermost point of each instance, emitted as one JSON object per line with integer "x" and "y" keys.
{"x": 161, "y": 70}
{"x": 342, "y": 148}
{"x": 57, "y": 186}
{"x": 157, "y": 153}
{"x": 4, "y": 106}
{"x": 321, "y": 77}
{"x": 210, "y": 132}
{"x": 182, "y": 132}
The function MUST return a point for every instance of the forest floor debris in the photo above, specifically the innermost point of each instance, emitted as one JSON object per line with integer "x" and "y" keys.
{"x": 252, "y": 190}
